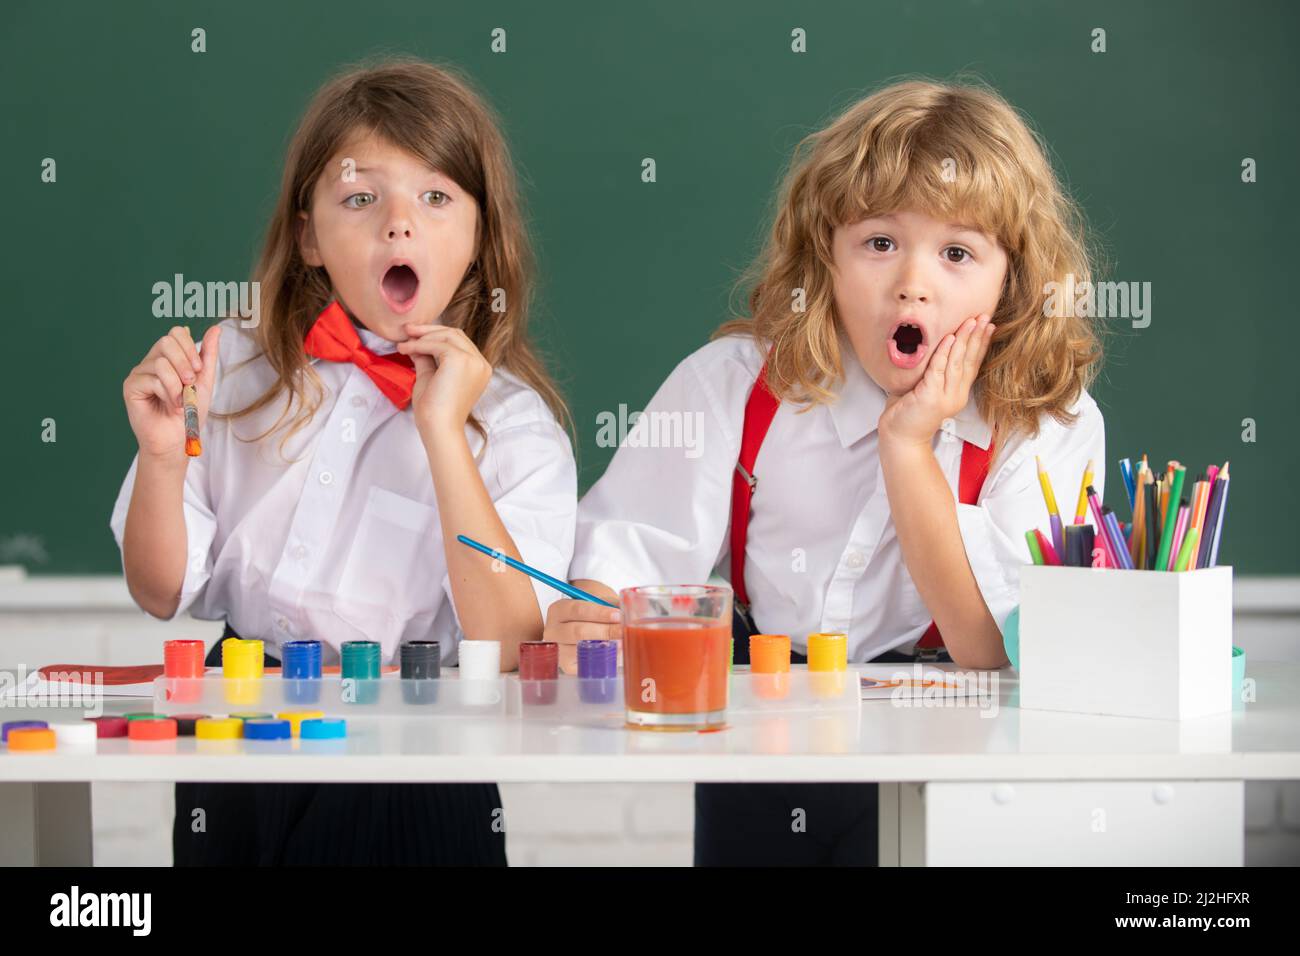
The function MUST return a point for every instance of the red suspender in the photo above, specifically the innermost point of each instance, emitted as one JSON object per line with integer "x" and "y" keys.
{"x": 974, "y": 469}
{"x": 760, "y": 409}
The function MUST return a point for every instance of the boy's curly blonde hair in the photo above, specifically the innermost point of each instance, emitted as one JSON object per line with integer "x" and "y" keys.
{"x": 954, "y": 151}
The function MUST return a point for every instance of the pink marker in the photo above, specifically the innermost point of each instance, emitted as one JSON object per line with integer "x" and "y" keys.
{"x": 1102, "y": 534}
{"x": 1180, "y": 529}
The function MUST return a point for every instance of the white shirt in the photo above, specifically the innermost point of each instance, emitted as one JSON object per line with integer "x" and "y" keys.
{"x": 345, "y": 543}
{"x": 822, "y": 552}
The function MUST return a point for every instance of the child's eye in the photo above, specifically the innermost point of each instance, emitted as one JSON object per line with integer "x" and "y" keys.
{"x": 875, "y": 243}
{"x": 359, "y": 200}
{"x": 963, "y": 254}
{"x": 440, "y": 197}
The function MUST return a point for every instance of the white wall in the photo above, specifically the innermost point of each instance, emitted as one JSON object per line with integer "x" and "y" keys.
{"x": 92, "y": 620}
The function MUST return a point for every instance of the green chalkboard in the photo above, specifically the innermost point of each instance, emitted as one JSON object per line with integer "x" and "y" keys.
{"x": 168, "y": 161}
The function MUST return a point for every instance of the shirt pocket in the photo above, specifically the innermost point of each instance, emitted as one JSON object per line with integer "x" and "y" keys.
{"x": 395, "y": 565}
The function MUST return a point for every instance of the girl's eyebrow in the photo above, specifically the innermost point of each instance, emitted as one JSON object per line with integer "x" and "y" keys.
{"x": 428, "y": 172}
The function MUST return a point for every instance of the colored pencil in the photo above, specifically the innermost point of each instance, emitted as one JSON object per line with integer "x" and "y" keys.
{"x": 1188, "y": 549}
{"x": 1081, "y": 509}
{"x": 1180, "y": 529}
{"x": 1170, "y": 519}
{"x": 1053, "y": 516}
{"x": 1216, "y": 537}
{"x": 1126, "y": 472}
{"x": 1116, "y": 539}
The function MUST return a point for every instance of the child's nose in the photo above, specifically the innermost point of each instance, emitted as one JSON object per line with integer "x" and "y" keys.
{"x": 400, "y": 223}
{"x": 912, "y": 282}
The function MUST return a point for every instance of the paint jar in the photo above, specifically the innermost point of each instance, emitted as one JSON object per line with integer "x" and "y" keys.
{"x": 300, "y": 669}
{"x": 241, "y": 666}
{"x": 421, "y": 663}
{"x": 539, "y": 670}
{"x": 479, "y": 663}
{"x": 182, "y": 667}
{"x": 597, "y": 671}
{"x": 360, "y": 670}
{"x": 828, "y": 663}
{"x": 769, "y": 665}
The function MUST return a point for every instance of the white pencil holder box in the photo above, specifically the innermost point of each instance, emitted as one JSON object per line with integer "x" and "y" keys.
{"x": 1126, "y": 643}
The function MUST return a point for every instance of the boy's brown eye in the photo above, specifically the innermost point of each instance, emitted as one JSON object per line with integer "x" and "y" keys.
{"x": 961, "y": 253}
{"x": 881, "y": 244}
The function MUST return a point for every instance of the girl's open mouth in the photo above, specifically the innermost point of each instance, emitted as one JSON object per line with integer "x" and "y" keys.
{"x": 399, "y": 287}
{"x": 907, "y": 348}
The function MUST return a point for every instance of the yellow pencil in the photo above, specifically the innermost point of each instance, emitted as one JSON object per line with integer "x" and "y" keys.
{"x": 1081, "y": 509}
{"x": 1046, "y": 482}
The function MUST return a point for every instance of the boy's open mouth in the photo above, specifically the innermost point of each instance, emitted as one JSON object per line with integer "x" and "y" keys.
{"x": 907, "y": 348}
{"x": 399, "y": 286}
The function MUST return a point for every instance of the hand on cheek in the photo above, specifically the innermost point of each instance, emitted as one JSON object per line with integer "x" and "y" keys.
{"x": 943, "y": 390}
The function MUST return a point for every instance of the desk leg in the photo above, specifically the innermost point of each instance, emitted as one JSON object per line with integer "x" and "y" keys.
{"x": 45, "y": 824}
{"x": 888, "y": 828}
{"x": 902, "y": 824}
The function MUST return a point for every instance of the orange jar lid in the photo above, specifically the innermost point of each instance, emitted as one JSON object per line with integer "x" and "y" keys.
{"x": 163, "y": 728}
{"x": 31, "y": 738}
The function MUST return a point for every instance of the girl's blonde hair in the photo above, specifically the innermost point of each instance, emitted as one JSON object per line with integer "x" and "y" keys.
{"x": 959, "y": 152}
{"x": 434, "y": 113}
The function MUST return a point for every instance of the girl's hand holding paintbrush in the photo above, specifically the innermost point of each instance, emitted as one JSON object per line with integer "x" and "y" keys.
{"x": 569, "y": 621}
{"x": 154, "y": 392}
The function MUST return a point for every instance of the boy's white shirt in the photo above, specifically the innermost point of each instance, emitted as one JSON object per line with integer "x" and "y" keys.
{"x": 346, "y": 543}
{"x": 822, "y": 553}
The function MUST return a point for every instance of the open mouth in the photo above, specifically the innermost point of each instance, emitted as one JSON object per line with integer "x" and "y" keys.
{"x": 399, "y": 286}
{"x": 907, "y": 346}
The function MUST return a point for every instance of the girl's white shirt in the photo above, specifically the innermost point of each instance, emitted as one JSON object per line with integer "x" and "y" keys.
{"x": 822, "y": 551}
{"x": 343, "y": 541}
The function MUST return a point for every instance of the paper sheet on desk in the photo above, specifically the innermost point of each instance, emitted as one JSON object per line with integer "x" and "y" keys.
{"x": 893, "y": 681}
{"x": 135, "y": 680}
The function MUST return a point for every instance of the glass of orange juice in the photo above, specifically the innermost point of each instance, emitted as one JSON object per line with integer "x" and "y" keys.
{"x": 676, "y": 647}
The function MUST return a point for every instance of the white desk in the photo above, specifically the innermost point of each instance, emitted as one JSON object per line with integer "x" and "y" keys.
{"x": 960, "y": 784}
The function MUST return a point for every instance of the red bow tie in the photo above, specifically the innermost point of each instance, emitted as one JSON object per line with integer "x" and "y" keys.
{"x": 334, "y": 338}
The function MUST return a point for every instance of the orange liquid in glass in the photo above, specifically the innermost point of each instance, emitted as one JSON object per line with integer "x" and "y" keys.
{"x": 676, "y": 665}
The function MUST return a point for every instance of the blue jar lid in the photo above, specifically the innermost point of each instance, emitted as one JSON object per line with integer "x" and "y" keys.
{"x": 323, "y": 728}
{"x": 263, "y": 729}
{"x": 20, "y": 725}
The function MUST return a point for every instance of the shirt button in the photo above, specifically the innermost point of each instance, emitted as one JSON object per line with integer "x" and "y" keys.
{"x": 358, "y": 401}
{"x": 326, "y": 477}
{"x": 855, "y": 559}
{"x": 282, "y": 623}
{"x": 300, "y": 552}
